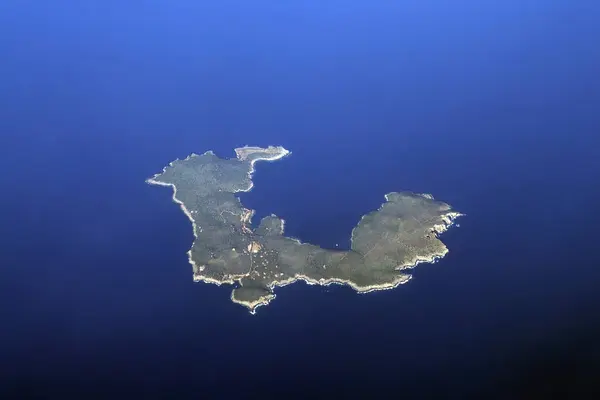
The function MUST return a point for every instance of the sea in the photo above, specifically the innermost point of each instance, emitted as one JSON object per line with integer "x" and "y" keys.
{"x": 492, "y": 107}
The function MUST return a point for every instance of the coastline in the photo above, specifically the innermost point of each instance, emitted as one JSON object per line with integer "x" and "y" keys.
{"x": 273, "y": 154}
{"x": 242, "y": 154}
{"x": 282, "y": 152}
{"x": 449, "y": 219}
{"x": 188, "y": 214}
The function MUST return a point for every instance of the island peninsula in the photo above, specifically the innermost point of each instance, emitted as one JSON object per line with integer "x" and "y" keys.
{"x": 229, "y": 249}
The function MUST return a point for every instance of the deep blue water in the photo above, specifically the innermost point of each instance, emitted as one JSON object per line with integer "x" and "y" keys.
{"x": 492, "y": 108}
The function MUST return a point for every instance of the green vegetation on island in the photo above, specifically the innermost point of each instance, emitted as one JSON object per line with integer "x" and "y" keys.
{"x": 385, "y": 243}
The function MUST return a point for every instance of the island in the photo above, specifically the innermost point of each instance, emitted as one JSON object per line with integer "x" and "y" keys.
{"x": 229, "y": 249}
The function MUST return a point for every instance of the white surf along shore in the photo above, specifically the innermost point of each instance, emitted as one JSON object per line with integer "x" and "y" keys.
{"x": 274, "y": 153}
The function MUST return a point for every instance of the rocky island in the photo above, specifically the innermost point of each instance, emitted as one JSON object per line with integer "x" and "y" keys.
{"x": 228, "y": 249}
